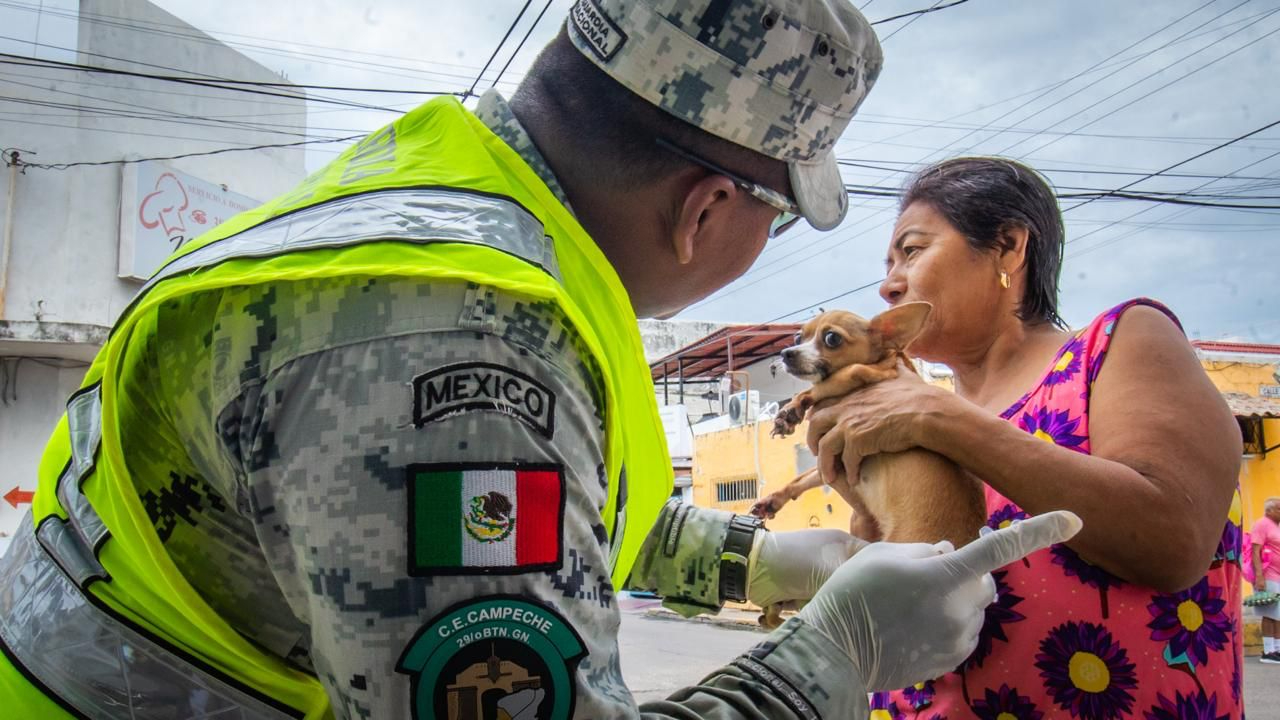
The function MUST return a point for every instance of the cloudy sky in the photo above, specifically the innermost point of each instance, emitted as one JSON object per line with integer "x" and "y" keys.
{"x": 1095, "y": 93}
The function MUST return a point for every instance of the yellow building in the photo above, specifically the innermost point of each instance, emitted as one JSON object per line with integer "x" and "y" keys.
{"x": 1248, "y": 376}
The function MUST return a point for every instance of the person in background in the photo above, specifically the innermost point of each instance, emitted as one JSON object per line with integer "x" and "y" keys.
{"x": 1266, "y": 536}
{"x": 1139, "y": 615}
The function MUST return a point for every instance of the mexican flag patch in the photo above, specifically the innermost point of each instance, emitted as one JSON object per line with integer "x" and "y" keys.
{"x": 491, "y": 518}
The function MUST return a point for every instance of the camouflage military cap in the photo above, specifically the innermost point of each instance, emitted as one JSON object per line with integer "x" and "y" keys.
{"x": 781, "y": 77}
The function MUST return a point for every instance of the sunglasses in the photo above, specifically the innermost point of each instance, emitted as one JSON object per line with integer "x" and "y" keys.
{"x": 788, "y": 211}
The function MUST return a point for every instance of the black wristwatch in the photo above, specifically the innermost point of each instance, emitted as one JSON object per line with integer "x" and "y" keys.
{"x": 734, "y": 562}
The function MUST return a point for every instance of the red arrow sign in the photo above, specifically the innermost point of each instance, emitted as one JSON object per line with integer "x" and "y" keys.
{"x": 18, "y": 496}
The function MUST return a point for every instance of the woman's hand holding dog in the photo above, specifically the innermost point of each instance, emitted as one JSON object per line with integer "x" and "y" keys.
{"x": 884, "y": 417}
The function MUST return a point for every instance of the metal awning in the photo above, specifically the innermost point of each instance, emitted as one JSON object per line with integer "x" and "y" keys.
{"x": 1248, "y": 406}
{"x": 727, "y": 349}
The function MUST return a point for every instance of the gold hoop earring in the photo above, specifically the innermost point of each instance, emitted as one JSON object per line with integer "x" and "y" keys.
{"x": 1004, "y": 280}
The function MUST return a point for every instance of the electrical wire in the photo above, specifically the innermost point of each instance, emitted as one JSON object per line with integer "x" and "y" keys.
{"x": 64, "y": 166}
{"x": 1152, "y": 92}
{"x": 7, "y": 58}
{"x": 1143, "y": 211}
{"x": 1178, "y": 164}
{"x": 916, "y": 13}
{"x": 471, "y": 91}
{"x": 841, "y": 237}
{"x": 140, "y": 26}
{"x": 240, "y": 86}
{"x": 1130, "y": 62}
{"x": 523, "y": 40}
{"x": 820, "y": 242}
{"x": 243, "y": 86}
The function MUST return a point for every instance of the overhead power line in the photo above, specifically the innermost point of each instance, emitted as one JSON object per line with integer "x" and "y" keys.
{"x": 1123, "y": 64}
{"x": 11, "y": 59}
{"x": 519, "y": 47}
{"x": 1178, "y": 164}
{"x": 64, "y": 166}
{"x": 819, "y": 243}
{"x": 916, "y": 13}
{"x": 1148, "y": 94}
{"x": 182, "y": 32}
{"x": 471, "y": 91}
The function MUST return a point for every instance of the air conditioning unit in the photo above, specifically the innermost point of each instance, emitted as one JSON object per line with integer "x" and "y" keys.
{"x": 744, "y": 407}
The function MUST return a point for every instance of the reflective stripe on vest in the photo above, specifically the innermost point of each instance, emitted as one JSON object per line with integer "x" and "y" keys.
{"x": 77, "y": 652}
{"x": 91, "y": 662}
{"x": 416, "y": 215}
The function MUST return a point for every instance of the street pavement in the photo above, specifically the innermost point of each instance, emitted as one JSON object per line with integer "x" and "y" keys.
{"x": 662, "y": 653}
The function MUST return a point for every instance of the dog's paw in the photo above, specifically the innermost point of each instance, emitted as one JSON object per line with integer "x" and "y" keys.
{"x": 771, "y": 618}
{"x": 784, "y": 424}
{"x": 768, "y": 506}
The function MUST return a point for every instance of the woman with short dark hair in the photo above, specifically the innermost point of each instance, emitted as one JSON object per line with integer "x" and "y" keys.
{"x": 1138, "y": 615}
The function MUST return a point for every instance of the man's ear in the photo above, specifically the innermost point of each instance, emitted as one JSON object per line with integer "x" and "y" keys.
{"x": 899, "y": 325}
{"x": 705, "y": 202}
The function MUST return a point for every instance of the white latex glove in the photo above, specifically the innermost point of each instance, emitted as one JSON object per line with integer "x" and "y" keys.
{"x": 905, "y": 613}
{"x": 791, "y": 566}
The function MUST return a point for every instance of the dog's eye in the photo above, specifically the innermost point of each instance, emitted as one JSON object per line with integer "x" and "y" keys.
{"x": 799, "y": 338}
{"x": 831, "y": 339}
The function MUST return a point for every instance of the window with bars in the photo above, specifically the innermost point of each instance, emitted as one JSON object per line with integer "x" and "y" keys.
{"x": 735, "y": 490}
{"x": 1255, "y": 441}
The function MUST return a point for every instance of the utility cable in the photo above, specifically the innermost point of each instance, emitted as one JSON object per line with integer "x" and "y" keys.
{"x": 916, "y": 13}
{"x": 64, "y": 166}
{"x": 1152, "y": 92}
{"x": 523, "y": 40}
{"x": 1178, "y": 164}
{"x": 471, "y": 91}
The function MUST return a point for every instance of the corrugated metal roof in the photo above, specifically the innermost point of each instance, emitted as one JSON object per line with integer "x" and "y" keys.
{"x": 1248, "y": 406}
{"x": 728, "y": 348}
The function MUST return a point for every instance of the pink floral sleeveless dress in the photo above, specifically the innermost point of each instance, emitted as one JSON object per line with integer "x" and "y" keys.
{"x": 1066, "y": 638}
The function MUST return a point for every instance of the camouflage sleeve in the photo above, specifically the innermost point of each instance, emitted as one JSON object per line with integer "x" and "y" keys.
{"x": 422, "y": 465}
{"x": 680, "y": 559}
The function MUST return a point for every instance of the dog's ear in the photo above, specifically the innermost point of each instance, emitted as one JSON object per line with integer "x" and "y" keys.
{"x": 899, "y": 325}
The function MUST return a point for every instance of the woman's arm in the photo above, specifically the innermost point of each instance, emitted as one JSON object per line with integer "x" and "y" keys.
{"x": 1153, "y": 496}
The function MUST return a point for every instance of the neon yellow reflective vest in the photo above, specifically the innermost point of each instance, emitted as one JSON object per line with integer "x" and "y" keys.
{"x": 112, "y": 571}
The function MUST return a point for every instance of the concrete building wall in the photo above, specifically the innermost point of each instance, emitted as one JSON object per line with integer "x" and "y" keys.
{"x": 663, "y": 337}
{"x": 61, "y": 291}
{"x": 28, "y": 413}
{"x": 65, "y": 223}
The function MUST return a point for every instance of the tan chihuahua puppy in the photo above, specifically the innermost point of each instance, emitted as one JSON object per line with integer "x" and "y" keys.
{"x": 912, "y": 496}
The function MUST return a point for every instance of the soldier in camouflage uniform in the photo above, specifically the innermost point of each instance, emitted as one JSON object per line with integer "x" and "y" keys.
{"x": 272, "y": 424}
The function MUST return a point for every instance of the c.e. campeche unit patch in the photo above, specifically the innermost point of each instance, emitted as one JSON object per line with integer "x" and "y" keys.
{"x": 462, "y": 387}
{"x": 495, "y": 656}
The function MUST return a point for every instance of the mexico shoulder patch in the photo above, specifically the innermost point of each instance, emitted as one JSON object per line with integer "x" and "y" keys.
{"x": 498, "y": 656}
{"x": 468, "y": 518}
{"x": 485, "y": 387}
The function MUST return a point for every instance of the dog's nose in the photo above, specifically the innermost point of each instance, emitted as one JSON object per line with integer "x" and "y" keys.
{"x": 787, "y": 353}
